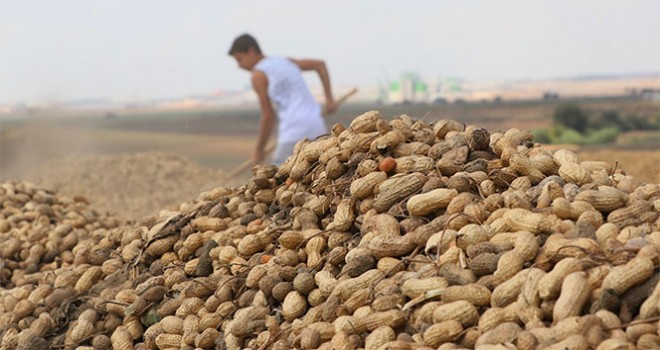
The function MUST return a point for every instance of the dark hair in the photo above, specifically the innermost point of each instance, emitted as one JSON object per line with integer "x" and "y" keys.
{"x": 244, "y": 43}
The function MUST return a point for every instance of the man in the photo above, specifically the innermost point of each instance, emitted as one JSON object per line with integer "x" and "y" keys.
{"x": 279, "y": 80}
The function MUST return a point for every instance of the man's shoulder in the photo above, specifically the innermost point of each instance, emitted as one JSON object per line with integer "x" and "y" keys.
{"x": 258, "y": 76}
{"x": 273, "y": 60}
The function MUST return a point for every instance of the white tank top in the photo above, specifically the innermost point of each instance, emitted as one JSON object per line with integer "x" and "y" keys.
{"x": 298, "y": 113}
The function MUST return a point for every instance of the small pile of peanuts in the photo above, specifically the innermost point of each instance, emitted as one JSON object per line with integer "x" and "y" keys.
{"x": 388, "y": 234}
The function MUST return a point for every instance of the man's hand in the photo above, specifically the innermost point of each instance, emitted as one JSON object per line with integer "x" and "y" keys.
{"x": 330, "y": 107}
{"x": 258, "y": 156}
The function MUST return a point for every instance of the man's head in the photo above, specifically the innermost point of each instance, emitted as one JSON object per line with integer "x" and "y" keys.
{"x": 246, "y": 51}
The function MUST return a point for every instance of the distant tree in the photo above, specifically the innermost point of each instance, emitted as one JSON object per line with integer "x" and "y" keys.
{"x": 641, "y": 123}
{"x": 611, "y": 118}
{"x": 606, "y": 119}
{"x": 572, "y": 116}
{"x": 549, "y": 95}
{"x": 541, "y": 135}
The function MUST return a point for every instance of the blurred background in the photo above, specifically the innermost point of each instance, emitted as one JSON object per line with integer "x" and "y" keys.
{"x": 136, "y": 104}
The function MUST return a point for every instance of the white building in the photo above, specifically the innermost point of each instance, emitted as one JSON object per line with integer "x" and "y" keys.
{"x": 410, "y": 88}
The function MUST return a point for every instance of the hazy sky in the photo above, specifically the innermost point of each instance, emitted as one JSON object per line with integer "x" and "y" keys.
{"x": 63, "y": 50}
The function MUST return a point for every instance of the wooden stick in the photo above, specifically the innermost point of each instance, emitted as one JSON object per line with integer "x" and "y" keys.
{"x": 342, "y": 99}
{"x": 269, "y": 149}
{"x": 248, "y": 163}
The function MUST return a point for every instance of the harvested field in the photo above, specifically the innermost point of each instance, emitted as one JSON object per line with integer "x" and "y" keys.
{"x": 643, "y": 164}
{"x": 128, "y": 186}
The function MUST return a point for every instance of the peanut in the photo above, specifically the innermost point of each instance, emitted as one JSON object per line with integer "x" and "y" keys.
{"x": 574, "y": 294}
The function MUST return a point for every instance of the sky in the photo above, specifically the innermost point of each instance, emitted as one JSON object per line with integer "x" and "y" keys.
{"x": 136, "y": 49}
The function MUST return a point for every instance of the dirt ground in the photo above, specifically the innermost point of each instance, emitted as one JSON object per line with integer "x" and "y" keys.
{"x": 135, "y": 164}
{"x": 643, "y": 164}
{"x": 129, "y": 185}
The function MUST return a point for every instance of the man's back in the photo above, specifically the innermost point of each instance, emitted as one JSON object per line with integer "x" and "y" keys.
{"x": 299, "y": 114}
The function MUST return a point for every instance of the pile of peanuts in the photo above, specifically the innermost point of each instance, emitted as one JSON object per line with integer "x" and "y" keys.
{"x": 388, "y": 234}
{"x": 42, "y": 233}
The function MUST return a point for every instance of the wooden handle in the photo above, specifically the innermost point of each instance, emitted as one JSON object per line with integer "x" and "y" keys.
{"x": 342, "y": 99}
{"x": 346, "y": 96}
{"x": 248, "y": 163}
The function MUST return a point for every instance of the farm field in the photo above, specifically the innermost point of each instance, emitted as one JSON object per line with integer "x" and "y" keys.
{"x": 59, "y": 148}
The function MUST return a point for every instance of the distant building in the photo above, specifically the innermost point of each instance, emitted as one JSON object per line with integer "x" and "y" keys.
{"x": 652, "y": 95}
{"x": 395, "y": 92}
{"x": 410, "y": 88}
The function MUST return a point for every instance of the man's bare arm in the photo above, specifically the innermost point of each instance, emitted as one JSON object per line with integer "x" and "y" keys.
{"x": 322, "y": 70}
{"x": 260, "y": 85}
